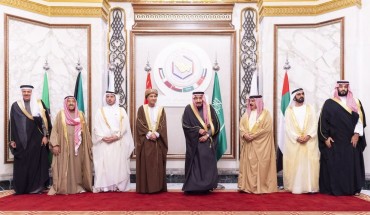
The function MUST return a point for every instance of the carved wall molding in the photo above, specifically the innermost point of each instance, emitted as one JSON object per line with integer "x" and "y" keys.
{"x": 117, "y": 52}
{"x": 68, "y": 11}
{"x": 183, "y": 17}
{"x": 306, "y": 10}
{"x": 248, "y": 55}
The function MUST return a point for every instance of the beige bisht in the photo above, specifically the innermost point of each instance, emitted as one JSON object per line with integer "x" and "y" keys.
{"x": 71, "y": 173}
{"x": 257, "y": 171}
{"x": 301, "y": 164}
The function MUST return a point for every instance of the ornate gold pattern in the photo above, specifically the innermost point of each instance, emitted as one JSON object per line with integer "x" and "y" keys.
{"x": 183, "y": 17}
{"x": 186, "y": 1}
{"x": 264, "y": 10}
{"x": 306, "y": 10}
{"x": 80, "y": 11}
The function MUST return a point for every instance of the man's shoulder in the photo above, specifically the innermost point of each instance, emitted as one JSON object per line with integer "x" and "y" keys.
{"x": 60, "y": 112}
{"x": 266, "y": 111}
{"x": 188, "y": 106}
{"x": 15, "y": 103}
{"x": 329, "y": 101}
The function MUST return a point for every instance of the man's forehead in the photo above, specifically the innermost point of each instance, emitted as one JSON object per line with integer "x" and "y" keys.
{"x": 71, "y": 99}
{"x": 198, "y": 96}
{"x": 299, "y": 92}
{"x": 27, "y": 90}
{"x": 343, "y": 85}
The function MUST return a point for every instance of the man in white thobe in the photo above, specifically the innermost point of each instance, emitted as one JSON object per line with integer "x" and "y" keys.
{"x": 301, "y": 154}
{"x": 112, "y": 147}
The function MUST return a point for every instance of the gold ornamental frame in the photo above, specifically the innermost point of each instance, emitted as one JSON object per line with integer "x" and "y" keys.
{"x": 231, "y": 91}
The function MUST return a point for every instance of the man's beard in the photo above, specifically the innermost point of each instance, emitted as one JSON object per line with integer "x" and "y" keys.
{"x": 71, "y": 109}
{"x": 300, "y": 100}
{"x": 342, "y": 93}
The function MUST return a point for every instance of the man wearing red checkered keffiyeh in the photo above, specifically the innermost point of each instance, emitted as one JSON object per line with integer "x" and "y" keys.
{"x": 70, "y": 142}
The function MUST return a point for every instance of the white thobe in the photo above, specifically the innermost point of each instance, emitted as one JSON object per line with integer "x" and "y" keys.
{"x": 112, "y": 160}
{"x": 301, "y": 160}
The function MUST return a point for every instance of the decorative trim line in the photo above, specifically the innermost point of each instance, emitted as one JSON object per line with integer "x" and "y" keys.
{"x": 69, "y": 11}
{"x": 307, "y": 10}
{"x": 186, "y": 1}
{"x": 183, "y": 17}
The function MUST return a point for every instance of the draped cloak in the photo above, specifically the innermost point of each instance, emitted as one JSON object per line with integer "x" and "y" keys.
{"x": 257, "y": 170}
{"x": 151, "y": 156}
{"x": 71, "y": 173}
{"x": 200, "y": 160}
{"x": 342, "y": 170}
{"x": 112, "y": 160}
{"x": 31, "y": 164}
{"x": 301, "y": 161}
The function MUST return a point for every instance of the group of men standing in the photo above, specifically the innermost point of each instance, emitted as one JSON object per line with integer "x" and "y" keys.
{"x": 327, "y": 158}
{"x": 76, "y": 154}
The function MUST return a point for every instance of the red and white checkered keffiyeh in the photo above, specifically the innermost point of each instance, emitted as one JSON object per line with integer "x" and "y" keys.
{"x": 76, "y": 122}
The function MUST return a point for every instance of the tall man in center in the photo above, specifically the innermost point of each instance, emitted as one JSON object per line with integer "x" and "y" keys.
{"x": 151, "y": 146}
{"x": 201, "y": 127}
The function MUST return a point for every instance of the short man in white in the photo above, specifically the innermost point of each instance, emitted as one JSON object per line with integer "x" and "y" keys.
{"x": 112, "y": 147}
{"x": 301, "y": 153}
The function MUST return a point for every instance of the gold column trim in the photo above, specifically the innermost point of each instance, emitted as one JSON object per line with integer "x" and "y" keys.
{"x": 306, "y": 10}
{"x": 67, "y": 11}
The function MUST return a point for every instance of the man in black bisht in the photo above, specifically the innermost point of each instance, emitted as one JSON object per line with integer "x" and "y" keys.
{"x": 201, "y": 128}
{"x": 29, "y": 129}
{"x": 342, "y": 142}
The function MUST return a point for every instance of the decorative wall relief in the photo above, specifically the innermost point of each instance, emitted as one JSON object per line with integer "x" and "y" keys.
{"x": 248, "y": 47}
{"x": 117, "y": 52}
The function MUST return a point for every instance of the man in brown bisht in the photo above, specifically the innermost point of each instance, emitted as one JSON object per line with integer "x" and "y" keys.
{"x": 71, "y": 145}
{"x": 257, "y": 170}
{"x": 151, "y": 146}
